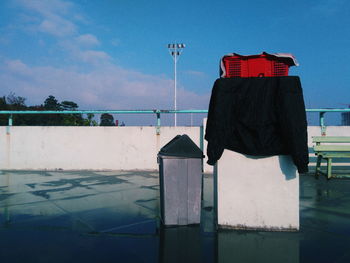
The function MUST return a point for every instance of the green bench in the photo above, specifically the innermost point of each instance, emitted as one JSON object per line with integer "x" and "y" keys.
{"x": 329, "y": 148}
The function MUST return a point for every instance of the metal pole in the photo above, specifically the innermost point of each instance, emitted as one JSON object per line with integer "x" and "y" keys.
{"x": 10, "y": 120}
{"x": 323, "y": 127}
{"x": 175, "y": 50}
{"x": 158, "y": 123}
{"x": 175, "y": 80}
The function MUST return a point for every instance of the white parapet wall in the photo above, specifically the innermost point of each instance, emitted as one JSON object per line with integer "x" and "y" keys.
{"x": 99, "y": 148}
{"x": 85, "y": 148}
{"x": 312, "y": 131}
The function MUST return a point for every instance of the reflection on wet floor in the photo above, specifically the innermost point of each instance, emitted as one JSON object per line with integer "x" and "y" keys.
{"x": 113, "y": 216}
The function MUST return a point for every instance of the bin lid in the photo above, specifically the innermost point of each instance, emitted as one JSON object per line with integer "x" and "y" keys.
{"x": 181, "y": 146}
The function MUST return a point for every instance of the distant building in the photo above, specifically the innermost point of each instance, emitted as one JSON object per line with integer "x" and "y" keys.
{"x": 345, "y": 118}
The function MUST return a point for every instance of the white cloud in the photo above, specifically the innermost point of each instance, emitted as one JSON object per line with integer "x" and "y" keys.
{"x": 47, "y": 7}
{"x": 49, "y": 16}
{"x": 93, "y": 56}
{"x": 87, "y": 40}
{"x": 80, "y": 18}
{"x": 55, "y": 17}
{"x": 108, "y": 88}
{"x": 57, "y": 26}
{"x": 17, "y": 66}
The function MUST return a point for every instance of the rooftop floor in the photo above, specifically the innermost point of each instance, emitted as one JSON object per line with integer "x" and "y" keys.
{"x": 112, "y": 216}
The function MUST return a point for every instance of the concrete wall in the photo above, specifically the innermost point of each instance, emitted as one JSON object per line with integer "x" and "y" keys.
{"x": 95, "y": 148}
{"x": 312, "y": 131}
{"x": 99, "y": 148}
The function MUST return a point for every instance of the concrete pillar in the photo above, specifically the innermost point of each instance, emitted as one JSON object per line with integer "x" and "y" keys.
{"x": 257, "y": 193}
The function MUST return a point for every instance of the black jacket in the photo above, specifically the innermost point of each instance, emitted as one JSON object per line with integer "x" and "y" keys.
{"x": 258, "y": 116}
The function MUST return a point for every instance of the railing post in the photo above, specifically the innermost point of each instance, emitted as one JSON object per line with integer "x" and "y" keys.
{"x": 158, "y": 122}
{"x": 10, "y": 122}
{"x": 323, "y": 126}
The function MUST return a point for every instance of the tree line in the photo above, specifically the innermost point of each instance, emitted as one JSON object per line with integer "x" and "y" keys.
{"x": 13, "y": 102}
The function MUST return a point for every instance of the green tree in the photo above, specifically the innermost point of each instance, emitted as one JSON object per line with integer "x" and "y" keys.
{"x": 52, "y": 104}
{"x": 107, "y": 120}
{"x": 13, "y": 102}
{"x": 69, "y": 105}
{"x": 35, "y": 119}
{"x": 3, "y": 106}
{"x": 16, "y": 102}
{"x": 89, "y": 121}
{"x": 71, "y": 119}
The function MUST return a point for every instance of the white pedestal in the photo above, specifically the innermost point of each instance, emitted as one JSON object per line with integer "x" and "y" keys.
{"x": 257, "y": 193}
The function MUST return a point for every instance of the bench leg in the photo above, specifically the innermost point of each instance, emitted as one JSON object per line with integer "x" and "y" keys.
{"x": 318, "y": 165}
{"x": 329, "y": 168}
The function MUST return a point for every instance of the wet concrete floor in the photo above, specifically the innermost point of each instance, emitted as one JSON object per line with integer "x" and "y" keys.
{"x": 112, "y": 216}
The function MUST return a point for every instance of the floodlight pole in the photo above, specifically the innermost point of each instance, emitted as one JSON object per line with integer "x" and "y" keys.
{"x": 175, "y": 56}
{"x": 175, "y": 51}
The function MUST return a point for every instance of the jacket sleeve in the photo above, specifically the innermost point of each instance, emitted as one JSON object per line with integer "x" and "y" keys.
{"x": 214, "y": 132}
{"x": 292, "y": 116}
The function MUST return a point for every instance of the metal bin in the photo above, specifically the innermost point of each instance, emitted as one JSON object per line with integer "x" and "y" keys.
{"x": 180, "y": 176}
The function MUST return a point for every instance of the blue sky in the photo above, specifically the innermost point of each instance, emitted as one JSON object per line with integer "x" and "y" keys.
{"x": 111, "y": 54}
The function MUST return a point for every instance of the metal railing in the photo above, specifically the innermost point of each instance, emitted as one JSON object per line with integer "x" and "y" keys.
{"x": 322, "y": 113}
{"x": 158, "y": 113}
{"x": 10, "y": 113}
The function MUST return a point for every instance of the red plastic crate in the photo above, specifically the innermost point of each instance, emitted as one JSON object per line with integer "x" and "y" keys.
{"x": 263, "y": 65}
